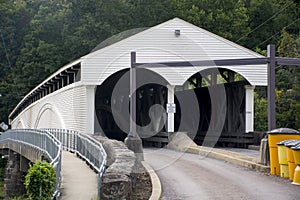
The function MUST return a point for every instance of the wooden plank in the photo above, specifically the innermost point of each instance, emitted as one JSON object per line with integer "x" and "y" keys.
{"x": 156, "y": 139}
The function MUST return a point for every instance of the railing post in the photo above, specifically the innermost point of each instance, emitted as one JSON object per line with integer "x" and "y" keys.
{"x": 99, "y": 184}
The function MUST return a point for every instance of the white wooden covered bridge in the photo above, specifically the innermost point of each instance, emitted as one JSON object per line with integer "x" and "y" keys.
{"x": 91, "y": 94}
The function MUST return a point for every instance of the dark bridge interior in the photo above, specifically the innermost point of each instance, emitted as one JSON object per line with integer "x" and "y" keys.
{"x": 156, "y": 93}
{"x": 114, "y": 94}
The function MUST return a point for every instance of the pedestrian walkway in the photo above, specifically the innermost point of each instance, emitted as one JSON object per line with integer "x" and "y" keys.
{"x": 78, "y": 180}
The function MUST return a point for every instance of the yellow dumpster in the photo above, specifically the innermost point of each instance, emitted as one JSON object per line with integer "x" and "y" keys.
{"x": 282, "y": 159}
{"x": 290, "y": 157}
{"x": 274, "y": 137}
{"x": 296, "y": 152}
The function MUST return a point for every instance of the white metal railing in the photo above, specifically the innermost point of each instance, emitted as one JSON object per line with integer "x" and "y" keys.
{"x": 52, "y": 141}
{"x": 85, "y": 146}
{"x": 42, "y": 140}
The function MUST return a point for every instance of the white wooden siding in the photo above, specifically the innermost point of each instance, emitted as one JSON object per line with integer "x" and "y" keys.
{"x": 65, "y": 108}
{"x": 159, "y": 44}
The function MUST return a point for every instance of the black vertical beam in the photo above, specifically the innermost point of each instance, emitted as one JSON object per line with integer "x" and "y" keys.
{"x": 133, "y": 141}
{"x": 271, "y": 88}
{"x": 133, "y": 95}
{"x": 230, "y": 76}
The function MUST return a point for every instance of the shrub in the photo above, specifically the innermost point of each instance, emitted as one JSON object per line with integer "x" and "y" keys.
{"x": 40, "y": 181}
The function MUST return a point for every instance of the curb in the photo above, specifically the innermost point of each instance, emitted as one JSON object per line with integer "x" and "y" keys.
{"x": 231, "y": 157}
{"x": 156, "y": 185}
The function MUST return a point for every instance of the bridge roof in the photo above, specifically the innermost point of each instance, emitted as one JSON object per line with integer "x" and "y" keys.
{"x": 161, "y": 44}
{"x": 42, "y": 85}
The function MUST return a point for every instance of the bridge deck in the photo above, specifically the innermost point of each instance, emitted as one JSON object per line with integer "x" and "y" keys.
{"x": 78, "y": 180}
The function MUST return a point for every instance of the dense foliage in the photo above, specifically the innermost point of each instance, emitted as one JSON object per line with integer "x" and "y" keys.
{"x": 39, "y": 36}
{"x": 40, "y": 181}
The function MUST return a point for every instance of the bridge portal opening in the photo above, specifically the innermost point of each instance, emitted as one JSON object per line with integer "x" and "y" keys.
{"x": 112, "y": 104}
{"x": 211, "y": 82}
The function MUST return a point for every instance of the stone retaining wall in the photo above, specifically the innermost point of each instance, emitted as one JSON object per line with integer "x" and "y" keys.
{"x": 119, "y": 178}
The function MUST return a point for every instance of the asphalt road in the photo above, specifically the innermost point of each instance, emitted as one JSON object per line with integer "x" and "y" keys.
{"x": 193, "y": 177}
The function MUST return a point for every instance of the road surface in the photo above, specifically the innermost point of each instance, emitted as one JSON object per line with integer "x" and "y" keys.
{"x": 193, "y": 177}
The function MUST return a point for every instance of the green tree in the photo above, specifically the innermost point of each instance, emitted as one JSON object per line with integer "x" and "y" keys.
{"x": 260, "y": 113}
{"x": 267, "y": 18}
{"x": 287, "y": 88}
{"x": 285, "y": 116}
{"x": 227, "y": 18}
{"x": 147, "y": 13}
{"x": 13, "y": 25}
{"x": 288, "y": 83}
{"x": 42, "y": 53}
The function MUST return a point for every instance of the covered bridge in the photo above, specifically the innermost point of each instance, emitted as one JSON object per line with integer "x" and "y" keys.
{"x": 91, "y": 94}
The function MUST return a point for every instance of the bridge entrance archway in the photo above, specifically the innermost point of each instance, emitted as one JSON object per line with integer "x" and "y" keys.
{"x": 212, "y": 82}
{"x": 115, "y": 123}
{"x": 112, "y": 104}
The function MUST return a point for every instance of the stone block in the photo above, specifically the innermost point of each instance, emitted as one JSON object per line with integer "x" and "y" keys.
{"x": 116, "y": 186}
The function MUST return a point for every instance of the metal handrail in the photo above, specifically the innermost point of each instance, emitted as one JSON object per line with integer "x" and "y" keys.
{"x": 84, "y": 146}
{"x": 52, "y": 141}
{"x": 42, "y": 140}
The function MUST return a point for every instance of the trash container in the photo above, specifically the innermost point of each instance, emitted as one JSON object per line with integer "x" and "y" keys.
{"x": 264, "y": 152}
{"x": 274, "y": 137}
{"x": 290, "y": 157}
{"x": 282, "y": 158}
{"x": 296, "y": 152}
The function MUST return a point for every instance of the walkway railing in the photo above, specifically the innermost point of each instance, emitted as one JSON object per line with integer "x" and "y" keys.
{"x": 86, "y": 147}
{"x": 44, "y": 141}
{"x": 51, "y": 142}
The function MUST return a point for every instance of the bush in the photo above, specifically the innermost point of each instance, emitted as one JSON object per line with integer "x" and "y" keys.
{"x": 40, "y": 181}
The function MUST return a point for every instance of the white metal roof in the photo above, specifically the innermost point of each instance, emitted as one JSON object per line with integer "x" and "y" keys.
{"x": 45, "y": 81}
{"x": 159, "y": 44}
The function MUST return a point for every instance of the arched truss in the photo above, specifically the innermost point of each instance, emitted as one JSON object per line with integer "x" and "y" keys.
{"x": 49, "y": 115}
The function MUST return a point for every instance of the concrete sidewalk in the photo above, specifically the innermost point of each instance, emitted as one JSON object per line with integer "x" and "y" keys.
{"x": 242, "y": 157}
{"x": 78, "y": 180}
